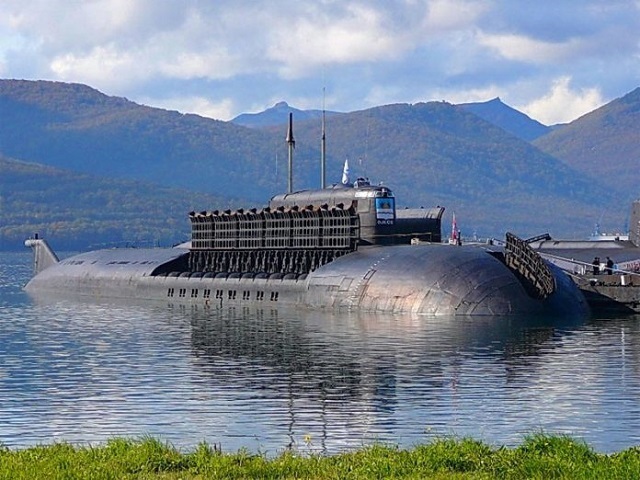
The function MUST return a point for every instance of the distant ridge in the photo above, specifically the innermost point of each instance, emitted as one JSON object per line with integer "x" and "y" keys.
{"x": 493, "y": 111}
{"x": 277, "y": 115}
{"x": 507, "y": 118}
{"x": 604, "y": 143}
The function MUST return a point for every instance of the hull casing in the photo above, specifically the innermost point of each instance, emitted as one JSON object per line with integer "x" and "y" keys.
{"x": 424, "y": 279}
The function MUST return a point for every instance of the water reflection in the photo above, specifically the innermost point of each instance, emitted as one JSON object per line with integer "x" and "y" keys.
{"x": 328, "y": 347}
{"x": 361, "y": 372}
{"x": 270, "y": 379}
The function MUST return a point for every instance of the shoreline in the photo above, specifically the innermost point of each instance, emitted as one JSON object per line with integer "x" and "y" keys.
{"x": 538, "y": 456}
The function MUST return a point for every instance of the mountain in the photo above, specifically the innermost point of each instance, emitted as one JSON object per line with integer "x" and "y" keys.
{"x": 437, "y": 153}
{"x": 429, "y": 153}
{"x": 77, "y": 210}
{"x": 493, "y": 111}
{"x": 604, "y": 144}
{"x": 277, "y": 115}
{"x": 75, "y": 127}
{"x": 507, "y": 118}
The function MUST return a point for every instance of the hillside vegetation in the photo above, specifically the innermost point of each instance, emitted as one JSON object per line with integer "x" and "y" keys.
{"x": 436, "y": 153}
{"x": 78, "y": 211}
{"x": 507, "y": 118}
{"x": 77, "y": 128}
{"x": 429, "y": 153}
{"x": 604, "y": 144}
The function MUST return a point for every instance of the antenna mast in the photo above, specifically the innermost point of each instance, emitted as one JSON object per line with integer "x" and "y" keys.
{"x": 323, "y": 147}
{"x": 292, "y": 144}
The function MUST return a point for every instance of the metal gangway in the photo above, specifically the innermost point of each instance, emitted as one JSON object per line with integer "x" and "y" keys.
{"x": 530, "y": 266}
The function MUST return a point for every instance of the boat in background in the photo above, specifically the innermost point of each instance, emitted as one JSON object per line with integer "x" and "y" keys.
{"x": 598, "y": 236}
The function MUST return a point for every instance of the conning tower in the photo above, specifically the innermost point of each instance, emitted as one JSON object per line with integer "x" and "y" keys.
{"x": 301, "y": 231}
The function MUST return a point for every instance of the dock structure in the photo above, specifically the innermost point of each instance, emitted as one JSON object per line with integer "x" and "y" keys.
{"x": 615, "y": 287}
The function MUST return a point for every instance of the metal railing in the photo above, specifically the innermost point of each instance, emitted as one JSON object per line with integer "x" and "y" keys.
{"x": 529, "y": 266}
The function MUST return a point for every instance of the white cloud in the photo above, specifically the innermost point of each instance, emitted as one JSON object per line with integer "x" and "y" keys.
{"x": 211, "y": 64}
{"x": 562, "y": 104}
{"x": 359, "y": 35}
{"x": 384, "y": 94}
{"x": 187, "y": 50}
{"x": 364, "y": 32}
{"x": 446, "y": 15}
{"x": 372, "y": 51}
{"x": 216, "y": 44}
{"x": 525, "y": 49}
{"x": 73, "y": 25}
{"x": 219, "y": 110}
{"x": 104, "y": 67}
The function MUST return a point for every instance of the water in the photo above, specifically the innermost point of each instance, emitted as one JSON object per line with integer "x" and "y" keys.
{"x": 268, "y": 380}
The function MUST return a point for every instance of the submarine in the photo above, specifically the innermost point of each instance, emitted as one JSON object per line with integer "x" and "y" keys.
{"x": 345, "y": 247}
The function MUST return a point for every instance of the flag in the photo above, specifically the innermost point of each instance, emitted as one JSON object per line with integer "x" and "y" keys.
{"x": 454, "y": 229}
{"x": 345, "y": 173}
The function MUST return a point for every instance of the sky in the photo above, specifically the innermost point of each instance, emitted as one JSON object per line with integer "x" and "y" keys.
{"x": 554, "y": 60}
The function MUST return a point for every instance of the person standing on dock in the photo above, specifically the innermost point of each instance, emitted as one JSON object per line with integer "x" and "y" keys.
{"x": 609, "y": 269}
{"x": 596, "y": 266}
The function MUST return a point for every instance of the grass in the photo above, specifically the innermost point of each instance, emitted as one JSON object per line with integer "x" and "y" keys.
{"x": 540, "y": 456}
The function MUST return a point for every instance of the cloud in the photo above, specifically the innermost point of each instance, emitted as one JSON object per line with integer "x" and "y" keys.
{"x": 448, "y": 15}
{"x": 562, "y": 104}
{"x": 366, "y": 52}
{"x": 358, "y": 35}
{"x": 219, "y": 110}
{"x": 525, "y": 49}
{"x": 118, "y": 68}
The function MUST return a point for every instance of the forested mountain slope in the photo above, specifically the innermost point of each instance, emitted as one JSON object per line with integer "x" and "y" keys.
{"x": 78, "y": 211}
{"x": 430, "y": 153}
{"x": 604, "y": 144}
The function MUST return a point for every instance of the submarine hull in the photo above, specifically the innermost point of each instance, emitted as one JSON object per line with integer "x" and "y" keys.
{"x": 425, "y": 279}
{"x": 434, "y": 279}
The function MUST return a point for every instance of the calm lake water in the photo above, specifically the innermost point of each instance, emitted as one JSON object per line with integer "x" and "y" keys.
{"x": 267, "y": 380}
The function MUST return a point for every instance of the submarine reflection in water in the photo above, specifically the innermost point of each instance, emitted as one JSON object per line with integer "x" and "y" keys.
{"x": 355, "y": 370}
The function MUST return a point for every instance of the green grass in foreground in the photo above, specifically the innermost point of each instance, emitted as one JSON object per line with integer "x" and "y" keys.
{"x": 539, "y": 456}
